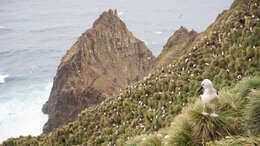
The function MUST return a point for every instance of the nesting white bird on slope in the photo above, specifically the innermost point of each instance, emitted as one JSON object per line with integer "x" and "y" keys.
{"x": 209, "y": 96}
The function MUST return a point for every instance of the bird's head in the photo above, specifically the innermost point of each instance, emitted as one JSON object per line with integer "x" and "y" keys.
{"x": 206, "y": 83}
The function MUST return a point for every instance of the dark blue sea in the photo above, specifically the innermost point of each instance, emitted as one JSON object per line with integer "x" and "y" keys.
{"x": 35, "y": 34}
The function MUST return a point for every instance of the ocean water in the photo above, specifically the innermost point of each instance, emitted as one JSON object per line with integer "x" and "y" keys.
{"x": 35, "y": 34}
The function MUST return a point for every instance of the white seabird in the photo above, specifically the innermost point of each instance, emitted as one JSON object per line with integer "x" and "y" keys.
{"x": 209, "y": 96}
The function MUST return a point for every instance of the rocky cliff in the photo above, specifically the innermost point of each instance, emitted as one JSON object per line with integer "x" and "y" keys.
{"x": 177, "y": 45}
{"x": 104, "y": 59}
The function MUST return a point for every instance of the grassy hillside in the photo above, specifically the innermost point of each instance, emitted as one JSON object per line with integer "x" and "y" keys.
{"x": 226, "y": 52}
{"x": 232, "y": 127}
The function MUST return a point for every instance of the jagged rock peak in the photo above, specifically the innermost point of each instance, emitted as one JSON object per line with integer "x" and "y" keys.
{"x": 179, "y": 34}
{"x": 182, "y": 29}
{"x": 104, "y": 59}
{"x": 107, "y": 18}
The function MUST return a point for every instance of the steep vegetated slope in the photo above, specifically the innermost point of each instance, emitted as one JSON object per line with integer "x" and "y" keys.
{"x": 238, "y": 110}
{"x": 104, "y": 59}
{"x": 177, "y": 45}
{"x": 225, "y": 53}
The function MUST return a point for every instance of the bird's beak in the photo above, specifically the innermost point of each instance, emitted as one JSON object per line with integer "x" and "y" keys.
{"x": 200, "y": 89}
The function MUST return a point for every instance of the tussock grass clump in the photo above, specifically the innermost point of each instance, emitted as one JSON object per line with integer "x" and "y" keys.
{"x": 253, "y": 113}
{"x": 197, "y": 129}
{"x": 232, "y": 103}
{"x": 146, "y": 140}
{"x": 209, "y": 128}
{"x": 244, "y": 88}
{"x": 236, "y": 141}
{"x": 185, "y": 135}
{"x": 153, "y": 141}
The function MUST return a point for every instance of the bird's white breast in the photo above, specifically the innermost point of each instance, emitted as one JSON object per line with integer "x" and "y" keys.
{"x": 208, "y": 96}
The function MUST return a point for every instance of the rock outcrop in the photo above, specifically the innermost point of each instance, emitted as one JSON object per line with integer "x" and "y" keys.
{"x": 177, "y": 45}
{"x": 104, "y": 59}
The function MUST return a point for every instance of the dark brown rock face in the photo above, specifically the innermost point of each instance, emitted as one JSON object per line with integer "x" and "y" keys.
{"x": 104, "y": 59}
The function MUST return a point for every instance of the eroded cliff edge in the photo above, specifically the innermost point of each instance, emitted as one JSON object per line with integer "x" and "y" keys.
{"x": 104, "y": 59}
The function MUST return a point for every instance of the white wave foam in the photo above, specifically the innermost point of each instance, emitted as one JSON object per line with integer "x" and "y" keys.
{"x": 23, "y": 115}
{"x": 2, "y": 78}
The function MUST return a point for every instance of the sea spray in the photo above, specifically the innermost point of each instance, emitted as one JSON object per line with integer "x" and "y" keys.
{"x": 22, "y": 114}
